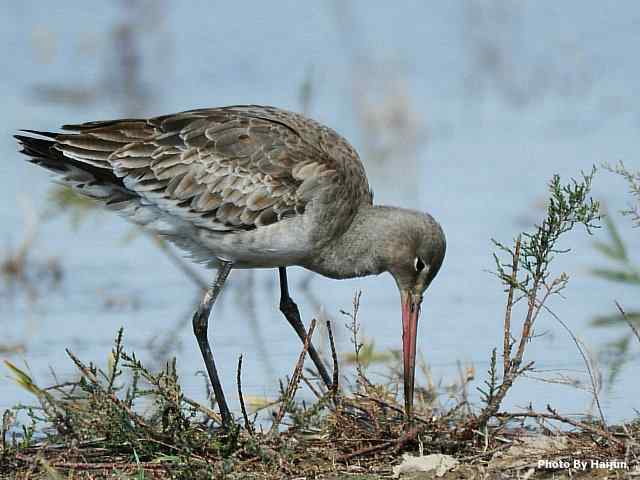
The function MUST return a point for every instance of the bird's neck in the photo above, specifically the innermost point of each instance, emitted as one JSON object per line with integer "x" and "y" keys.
{"x": 355, "y": 253}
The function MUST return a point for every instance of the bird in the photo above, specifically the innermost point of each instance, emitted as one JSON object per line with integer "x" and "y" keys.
{"x": 244, "y": 187}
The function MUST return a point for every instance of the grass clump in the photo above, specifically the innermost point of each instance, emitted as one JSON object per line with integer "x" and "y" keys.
{"x": 96, "y": 420}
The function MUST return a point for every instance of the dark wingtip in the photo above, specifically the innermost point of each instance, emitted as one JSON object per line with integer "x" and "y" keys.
{"x": 38, "y": 132}
{"x": 22, "y": 140}
{"x": 33, "y": 146}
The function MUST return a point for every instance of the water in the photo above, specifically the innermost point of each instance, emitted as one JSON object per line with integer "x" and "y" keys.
{"x": 501, "y": 99}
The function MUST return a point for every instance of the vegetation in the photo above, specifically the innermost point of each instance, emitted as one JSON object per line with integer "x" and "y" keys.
{"x": 622, "y": 270}
{"x": 127, "y": 421}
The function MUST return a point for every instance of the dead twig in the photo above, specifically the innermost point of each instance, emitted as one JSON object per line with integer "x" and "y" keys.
{"x": 295, "y": 380}
{"x": 399, "y": 444}
{"x": 334, "y": 358}
{"x": 384, "y": 404}
{"x": 471, "y": 458}
{"x": 629, "y": 322}
{"x": 364, "y": 451}
{"x": 410, "y": 436}
{"x": 247, "y": 424}
{"x": 554, "y": 415}
{"x": 587, "y": 362}
{"x": 313, "y": 389}
{"x": 506, "y": 352}
{"x": 106, "y": 466}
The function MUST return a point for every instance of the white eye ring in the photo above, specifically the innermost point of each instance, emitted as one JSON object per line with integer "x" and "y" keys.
{"x": 418, "y": 264}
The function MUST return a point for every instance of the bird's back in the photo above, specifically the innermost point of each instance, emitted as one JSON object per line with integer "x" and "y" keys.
{"x": 229, "y": 170}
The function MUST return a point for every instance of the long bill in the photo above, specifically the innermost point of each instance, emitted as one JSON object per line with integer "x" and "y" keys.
{"x": 410, "y": 314}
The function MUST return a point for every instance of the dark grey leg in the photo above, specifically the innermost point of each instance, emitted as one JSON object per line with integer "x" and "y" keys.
{"x": 200, "y": 325}
{"x": 290, "y": 310}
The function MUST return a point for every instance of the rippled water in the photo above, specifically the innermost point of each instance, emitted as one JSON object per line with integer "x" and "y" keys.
{"x": 500, "y": 100}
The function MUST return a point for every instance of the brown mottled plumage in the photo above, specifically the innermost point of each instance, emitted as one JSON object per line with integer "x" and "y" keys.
{"x": 242, "y": 167}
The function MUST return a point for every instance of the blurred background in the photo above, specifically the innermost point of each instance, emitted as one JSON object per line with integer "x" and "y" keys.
{"x": 464, "y": 109}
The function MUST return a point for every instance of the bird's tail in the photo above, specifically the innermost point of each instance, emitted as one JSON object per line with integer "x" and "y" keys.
{"x": 84, "y": 178}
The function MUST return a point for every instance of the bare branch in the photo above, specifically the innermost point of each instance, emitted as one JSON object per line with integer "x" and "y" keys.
{"x": 506, "y": 352}
{"x": 629, "y": 322}
{"x": 247, "y": 423}
{"x": 294, "y": 382}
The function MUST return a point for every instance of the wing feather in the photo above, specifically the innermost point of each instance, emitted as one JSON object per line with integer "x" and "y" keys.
{"x": 227, "y": 169}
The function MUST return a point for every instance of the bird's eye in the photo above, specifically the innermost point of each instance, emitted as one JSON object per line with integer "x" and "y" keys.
{"x": 419, "y": 264}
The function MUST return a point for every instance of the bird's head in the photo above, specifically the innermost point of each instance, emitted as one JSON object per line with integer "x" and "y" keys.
{"x": 415, "y": 253}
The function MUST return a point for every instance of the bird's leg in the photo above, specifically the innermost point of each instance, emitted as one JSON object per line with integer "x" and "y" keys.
{"x": 200, "y": 326}
{"x": 290, "y": 310}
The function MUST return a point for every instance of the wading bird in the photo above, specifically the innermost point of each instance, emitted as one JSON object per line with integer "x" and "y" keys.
{"x": 250, "y": 187}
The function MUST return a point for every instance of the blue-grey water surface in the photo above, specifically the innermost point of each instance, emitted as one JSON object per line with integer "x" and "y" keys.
{"x": 500, "y": 98}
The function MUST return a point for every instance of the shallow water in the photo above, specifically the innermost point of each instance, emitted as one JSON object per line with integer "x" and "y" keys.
{"x": 564, "y": 99}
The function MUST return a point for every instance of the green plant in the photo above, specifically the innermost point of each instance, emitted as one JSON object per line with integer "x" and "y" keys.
{"x": 623, "y": 270}
{"x": 527, "y": 276}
